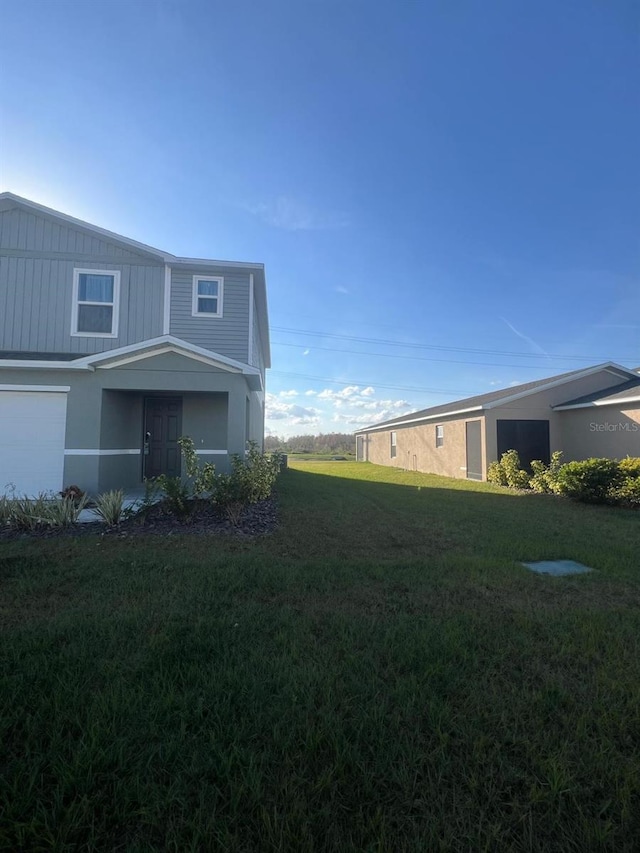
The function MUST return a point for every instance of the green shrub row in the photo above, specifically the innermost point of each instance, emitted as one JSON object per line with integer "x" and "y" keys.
{"x": 251, "y": 480}
{"x": 608, "y": 481}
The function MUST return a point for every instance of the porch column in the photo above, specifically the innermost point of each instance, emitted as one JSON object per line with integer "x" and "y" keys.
{"x": 236, "y": 422}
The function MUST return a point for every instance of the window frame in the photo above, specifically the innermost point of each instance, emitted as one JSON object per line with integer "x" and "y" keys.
{"x": 207, "y": 315}
{"x": 439, "y": 435}
{"x": 115, "y": 304}
{"x": 394, "y": 444}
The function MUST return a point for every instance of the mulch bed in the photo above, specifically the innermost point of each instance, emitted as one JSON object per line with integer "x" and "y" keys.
{"x": 205, "y": 519}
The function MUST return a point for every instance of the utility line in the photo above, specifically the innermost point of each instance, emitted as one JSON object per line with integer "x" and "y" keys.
{"x": 382, "y": 342}
{"x": 413, "y": 357}
{"x": 367, "y": 384}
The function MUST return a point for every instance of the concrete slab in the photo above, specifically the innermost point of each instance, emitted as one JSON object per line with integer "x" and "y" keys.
{"x": 557, "y": 568}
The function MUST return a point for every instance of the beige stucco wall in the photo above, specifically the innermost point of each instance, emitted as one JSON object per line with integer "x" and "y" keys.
{"x": 538, "y": 407}
{"x": 417, "y": 451}
{"x": 610, "y": 431}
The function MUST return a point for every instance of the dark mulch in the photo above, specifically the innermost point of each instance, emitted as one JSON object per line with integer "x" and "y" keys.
{"x": 204, "y": 519}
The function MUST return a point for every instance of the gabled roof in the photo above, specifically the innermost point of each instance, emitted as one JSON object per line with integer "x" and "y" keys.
{"x": 482, "y": 402}
{"x": 138, "y": 352}
{"x": 9, "y": 200}
{"x": 628, "y": 392}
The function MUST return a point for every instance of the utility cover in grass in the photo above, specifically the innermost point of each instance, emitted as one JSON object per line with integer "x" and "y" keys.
{"x": 557, "y": 568}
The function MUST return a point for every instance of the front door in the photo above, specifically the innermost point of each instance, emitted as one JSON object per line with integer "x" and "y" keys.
{"x": 162, "y": 429}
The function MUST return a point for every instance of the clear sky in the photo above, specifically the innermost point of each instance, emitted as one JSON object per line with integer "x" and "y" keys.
{"x": 445, "y": 193}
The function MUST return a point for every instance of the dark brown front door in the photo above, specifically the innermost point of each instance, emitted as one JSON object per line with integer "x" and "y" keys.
{"x": 162, "y": 429}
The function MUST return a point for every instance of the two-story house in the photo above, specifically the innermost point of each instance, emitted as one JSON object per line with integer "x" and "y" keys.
{"x": 110, "y": 350}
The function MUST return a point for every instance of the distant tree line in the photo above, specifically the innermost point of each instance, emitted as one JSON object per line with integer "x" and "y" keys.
{"x": 333, "y": 442}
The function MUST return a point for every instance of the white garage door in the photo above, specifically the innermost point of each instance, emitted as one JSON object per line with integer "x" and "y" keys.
{"x": 32, "y": 430}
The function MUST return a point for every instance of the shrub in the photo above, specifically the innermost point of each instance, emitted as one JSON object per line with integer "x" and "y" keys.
{"x": 507, "y": 472}
{"x": 65, "y": 512}
{"x": 73, "y": 492}
{"x": 630, "y": 467}
{"x": 496, "y": 474}
{"x": 202, "y": 476}
{"x": 545, "y": 477}
{"x": 177, "y": 496}
{"x": 251, "y": 480}
{"x": 628, "y": 493}
{"x": 590, "y": 480}
{"x": 110, "y": 508}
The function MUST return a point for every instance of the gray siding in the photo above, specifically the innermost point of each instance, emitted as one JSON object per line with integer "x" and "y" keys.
{"x": 257, "y": 354}
{"x": 227, "y": 335}
{"x": 20, "y": 231}
{"x": 37, "y": 259}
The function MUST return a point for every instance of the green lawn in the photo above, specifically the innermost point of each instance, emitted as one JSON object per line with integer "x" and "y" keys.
{"x": 379, "y": 675}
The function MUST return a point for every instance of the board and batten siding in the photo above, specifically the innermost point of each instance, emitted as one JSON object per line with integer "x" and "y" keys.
{"x": 227, "y": 335}
{"x": 257, "y": 353}
{"x": 37, "y": 259}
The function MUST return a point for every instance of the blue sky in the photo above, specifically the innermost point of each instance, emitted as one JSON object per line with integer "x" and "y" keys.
{"x": 446, "y": 194}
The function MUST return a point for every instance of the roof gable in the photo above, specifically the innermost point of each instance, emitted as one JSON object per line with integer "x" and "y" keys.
{"x": 492, "y": 399}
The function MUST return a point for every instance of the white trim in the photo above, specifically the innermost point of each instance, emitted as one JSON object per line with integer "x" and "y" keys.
{"x": 609, "y": 367}
{"x": 250, "y": 347}
{"x": 212, "y": 362}
{"x": 95, "y": 452}
{"x": 592, "y": 403}
{"x": 166, "y": 317}
{"x": 212, "y": 452}
{"x": 115, "y": 304}
{"x": 619, "y": 400}
{"x": 195, "y": 296}
{"x": 152, "y": 344}
{"x": 58, "y": 389}
{"x": 40, "y": 365}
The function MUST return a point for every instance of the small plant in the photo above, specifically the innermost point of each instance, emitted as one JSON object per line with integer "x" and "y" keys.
{"x": 507, "y": 472}
{"x": 202, "y": 476}
{"x": 545, "y": 477}
{"x": 177, "y": 496}
{"x": 251, "y": 480}
{"x": 64, "y": 512}
{"x": 110, "y": 508}
{"x": 628, "y": 493}
{"x": 28, "y": 514}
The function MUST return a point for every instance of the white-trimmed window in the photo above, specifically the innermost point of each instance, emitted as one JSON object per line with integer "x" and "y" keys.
{"x": 439, "y": 435}
{"x": 394, "y": 444}
{"x": 96, "y": 297}
{"x": 207, "y": 296}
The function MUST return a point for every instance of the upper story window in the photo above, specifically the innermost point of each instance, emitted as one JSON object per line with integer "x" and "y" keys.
{"x": 439, "y": 435}
{"x": 207, "y": 296}
{"x": 96, "y": 295}
{"x": 394, "y": 445}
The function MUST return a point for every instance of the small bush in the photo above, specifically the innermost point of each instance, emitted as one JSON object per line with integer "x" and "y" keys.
{"x": 110, "y": 508}
{"x": 545, "y": 477}
{"x": 202, "y": 476}
{"x": 177, "y": 496}
{"x": 251, "y": 480}
{"x": 507, "y": 472}
{"x": 590, "y": 480}
{"x": 630, "y": 467}
{"x": 65, "y": 512}
{"x": 627, "y": 493}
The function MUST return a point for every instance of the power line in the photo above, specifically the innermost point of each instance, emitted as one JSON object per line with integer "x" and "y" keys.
{"x": 366, "y": 383}
{"x": 413, "y": 357}
{"x": 382, "y": 342}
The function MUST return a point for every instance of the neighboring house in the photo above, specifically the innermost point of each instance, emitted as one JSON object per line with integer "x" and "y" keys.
{"x": 584, "y": 413}
{"x": 110, "y": 350}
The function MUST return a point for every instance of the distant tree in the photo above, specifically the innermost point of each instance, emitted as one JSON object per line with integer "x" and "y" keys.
{"x": 330, "y": 443}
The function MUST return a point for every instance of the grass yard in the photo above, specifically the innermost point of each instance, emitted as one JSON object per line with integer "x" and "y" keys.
{"x": 379, "y": 675}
